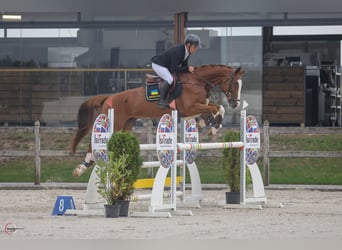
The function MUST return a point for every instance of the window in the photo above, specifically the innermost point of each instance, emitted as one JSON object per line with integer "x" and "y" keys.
{"x": 307, "y": 30}
{"x": 233, "y": 31}
{"x": 42, "y": 33}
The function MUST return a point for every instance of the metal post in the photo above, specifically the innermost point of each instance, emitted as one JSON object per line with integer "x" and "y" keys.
{"x": 149, "y": 141}
{"x": 180, "y": 20}
{"x": 183, "y": 168}
{"x": 37, "y": 152}
{"x": 243, "y": 154}
{"x": 111, "y": 119}
{"x": 174, "y": 165}
{"x": 266, "y": 148}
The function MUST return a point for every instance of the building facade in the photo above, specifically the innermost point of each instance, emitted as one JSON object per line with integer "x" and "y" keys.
{"x": 59, "y": 54}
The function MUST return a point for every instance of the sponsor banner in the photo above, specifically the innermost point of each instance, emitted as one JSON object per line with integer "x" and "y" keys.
{"x": 100, "y": 136}
{"x": 190, "y": 136}
{"x": 164, "y": 141}
{"x": 252, "y": 140}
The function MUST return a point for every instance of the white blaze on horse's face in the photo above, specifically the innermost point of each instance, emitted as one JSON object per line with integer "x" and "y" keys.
{"x": 234, "y": 101}
{"x": 239, "y": 93}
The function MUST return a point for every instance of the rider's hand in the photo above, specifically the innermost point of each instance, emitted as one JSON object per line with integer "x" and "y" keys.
{"x": 191, "y": 69}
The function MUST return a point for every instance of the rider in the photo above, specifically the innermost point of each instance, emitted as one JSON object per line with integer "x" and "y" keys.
{"x": 174, "y": 60}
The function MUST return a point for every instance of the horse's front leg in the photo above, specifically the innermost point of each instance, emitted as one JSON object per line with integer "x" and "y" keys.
{"x": 87, "y": 163}
{"x": 213, "y": 118}
{"x": 220, "y": 112}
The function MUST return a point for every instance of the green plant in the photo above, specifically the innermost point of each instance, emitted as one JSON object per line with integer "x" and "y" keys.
{"x": 111, "y": 176}
{"x": 231, "y": 161}
{"x": 125, "y": 143}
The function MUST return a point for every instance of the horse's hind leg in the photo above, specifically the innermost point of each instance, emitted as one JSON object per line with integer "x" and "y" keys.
{"x": 87, "y": 163}
{"x": 89, "y": 158}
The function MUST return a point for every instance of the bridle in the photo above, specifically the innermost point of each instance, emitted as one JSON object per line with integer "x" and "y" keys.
{"x": 228, "y": 92}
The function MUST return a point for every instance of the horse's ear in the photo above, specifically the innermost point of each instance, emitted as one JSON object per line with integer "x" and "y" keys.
{"x": 239, "y": 70}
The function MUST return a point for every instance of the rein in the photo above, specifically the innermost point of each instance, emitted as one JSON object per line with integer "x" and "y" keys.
{"x": 228, "y": 93}
{"x": 205, "y": 81}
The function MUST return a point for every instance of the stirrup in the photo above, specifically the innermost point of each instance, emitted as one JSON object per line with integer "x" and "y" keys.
{"x": 163, "y": 105}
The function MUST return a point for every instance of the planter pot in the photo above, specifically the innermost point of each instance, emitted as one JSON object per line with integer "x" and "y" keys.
{"x": 233, "y": 197}
{"x": 124, "y": 207}
{"x": 112, "y": 211}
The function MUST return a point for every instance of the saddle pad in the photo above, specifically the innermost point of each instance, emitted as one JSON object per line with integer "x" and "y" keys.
{"x": 152, "y": 92}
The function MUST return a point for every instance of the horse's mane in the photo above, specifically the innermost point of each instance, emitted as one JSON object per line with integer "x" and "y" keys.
{"x": 213, "y": 70}
{"x": 213, "y": 65}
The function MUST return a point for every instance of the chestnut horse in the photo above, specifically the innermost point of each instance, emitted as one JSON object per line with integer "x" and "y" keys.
{"x": 131, "y": 104}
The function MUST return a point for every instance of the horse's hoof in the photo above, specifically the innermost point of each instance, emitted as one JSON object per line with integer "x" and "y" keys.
{"x": 213, "y": 131}
{"x": 201, "y": 123}
{"x": 79, "y": 170}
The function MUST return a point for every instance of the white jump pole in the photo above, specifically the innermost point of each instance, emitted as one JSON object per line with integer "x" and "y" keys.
{"x": 209, "y": 145}
{"x": 150, "y": 164}
{"x": 243, "y": 154}
{"x": 148, "y": 196}
{"x": 174, "y": 165}
{"x": 197, "y": 146}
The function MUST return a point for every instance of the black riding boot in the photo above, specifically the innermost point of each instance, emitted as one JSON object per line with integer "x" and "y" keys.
{"x": 164, "y": 89}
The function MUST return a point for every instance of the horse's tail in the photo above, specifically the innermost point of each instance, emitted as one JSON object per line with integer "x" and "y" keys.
{"x": 86, "y": 116}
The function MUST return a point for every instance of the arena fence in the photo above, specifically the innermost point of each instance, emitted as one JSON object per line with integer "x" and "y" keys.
{"x": 266, "y": 153}
{"x": 267, "y": 131}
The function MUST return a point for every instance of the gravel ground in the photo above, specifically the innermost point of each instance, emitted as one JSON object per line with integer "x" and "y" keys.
{"x": 307, "y": 214}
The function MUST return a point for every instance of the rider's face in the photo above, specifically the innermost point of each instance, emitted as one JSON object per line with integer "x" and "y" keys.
{"x": 192, "y": 48}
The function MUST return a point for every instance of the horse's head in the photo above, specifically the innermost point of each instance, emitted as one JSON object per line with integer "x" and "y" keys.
{"x": 232, "y": 90}
{"x": 227, "y": 79}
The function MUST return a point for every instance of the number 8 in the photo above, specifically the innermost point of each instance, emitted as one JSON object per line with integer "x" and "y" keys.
{"x": 61, "y": 205}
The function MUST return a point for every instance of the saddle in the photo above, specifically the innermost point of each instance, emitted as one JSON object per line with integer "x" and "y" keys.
{"x": 152, "y": 92}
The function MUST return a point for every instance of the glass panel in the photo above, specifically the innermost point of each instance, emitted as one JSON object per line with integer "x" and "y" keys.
{"x": 307, "y": 30}
{"x": 41, "y": 72}
{"x": 49, "y": 16}
{"x": 46, "y": 74}
{"x": 41, "y": 33}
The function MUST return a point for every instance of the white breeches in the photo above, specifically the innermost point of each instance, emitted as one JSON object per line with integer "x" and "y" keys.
{"x": 163, "y": 73}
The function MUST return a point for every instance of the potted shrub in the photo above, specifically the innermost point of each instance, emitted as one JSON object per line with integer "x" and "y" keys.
{"x": 125, "y": 144}
{"x": 109, "y": 183}
{"x": 231, "y": 168}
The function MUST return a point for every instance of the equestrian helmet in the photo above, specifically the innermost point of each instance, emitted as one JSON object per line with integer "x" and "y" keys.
{"x": 193, "y": 39}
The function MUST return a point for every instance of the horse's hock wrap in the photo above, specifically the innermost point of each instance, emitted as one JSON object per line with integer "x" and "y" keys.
{"x": 87, "y": 163}
{"x": 132, "y": 104}
{"x": 79, "y": 170}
